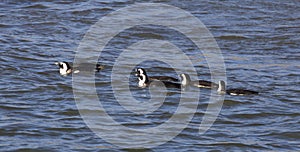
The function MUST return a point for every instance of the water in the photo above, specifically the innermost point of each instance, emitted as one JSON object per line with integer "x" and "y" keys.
{"x": 260, "y": 46}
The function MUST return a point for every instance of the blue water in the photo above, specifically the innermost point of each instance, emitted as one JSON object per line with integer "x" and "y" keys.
{"x": 259, "y": 42}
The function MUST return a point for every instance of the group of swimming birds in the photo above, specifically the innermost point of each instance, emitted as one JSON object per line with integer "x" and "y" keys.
{"x": 169, "y": 82}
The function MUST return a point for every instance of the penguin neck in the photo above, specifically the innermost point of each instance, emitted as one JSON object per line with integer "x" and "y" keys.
{"x": 222, "y": 87}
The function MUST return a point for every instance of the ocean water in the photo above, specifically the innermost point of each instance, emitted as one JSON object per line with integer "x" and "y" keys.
{"x": 259, "y": 42}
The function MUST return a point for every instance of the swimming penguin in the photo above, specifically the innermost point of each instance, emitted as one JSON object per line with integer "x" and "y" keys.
{"x": 201, "y": 83}
{"x": 65, "y": 68}
{"x": 140, "y": 71}
{"x": 234, "y": 92}
{"x": 145, "y": 82}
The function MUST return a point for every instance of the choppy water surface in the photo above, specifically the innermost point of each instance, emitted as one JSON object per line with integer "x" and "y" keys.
{"x": 259, "y": 41}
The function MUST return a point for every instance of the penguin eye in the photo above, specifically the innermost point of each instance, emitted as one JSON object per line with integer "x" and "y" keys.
{"x": 60, "y": 65}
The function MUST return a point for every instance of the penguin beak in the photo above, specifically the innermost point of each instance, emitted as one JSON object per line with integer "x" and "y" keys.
{"x": 99, "y": 67}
